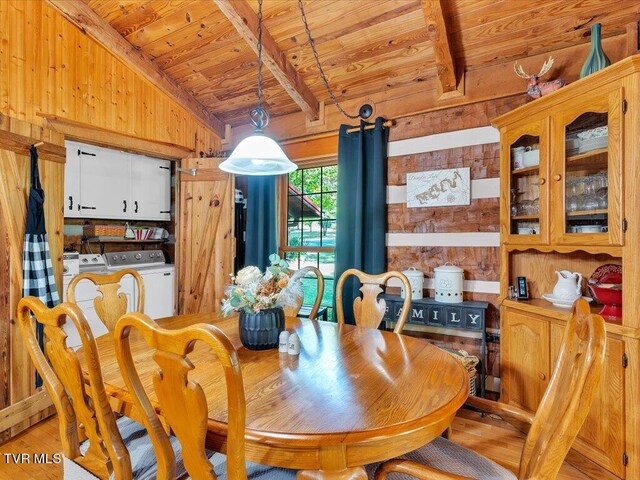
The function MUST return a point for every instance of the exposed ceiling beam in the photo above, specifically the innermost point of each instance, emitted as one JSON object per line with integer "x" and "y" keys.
{"x": 81, "y": 15}
{"x": 245, "y": 21}
{"x": 437, "y": 31}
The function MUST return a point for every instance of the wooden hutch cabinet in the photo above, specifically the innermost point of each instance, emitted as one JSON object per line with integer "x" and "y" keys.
{"x": 570, "y": 200}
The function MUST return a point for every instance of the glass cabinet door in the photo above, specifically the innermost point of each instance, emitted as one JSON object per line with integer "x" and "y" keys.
{"x": 588, "y": 183}
{"x": 526, "y": 163}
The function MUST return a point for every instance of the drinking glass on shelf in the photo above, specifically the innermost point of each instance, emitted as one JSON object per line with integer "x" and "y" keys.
{"x": 590, "y": 185}
{"x": 535, "y": 206}
{"x": 602, "y": 194}
{"x": 515, "y": 206}
{"x": 527, "y": 207}
{"x": 590, "y": 202}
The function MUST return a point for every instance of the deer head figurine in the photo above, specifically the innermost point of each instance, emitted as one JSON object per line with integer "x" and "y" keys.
{"x": 537, "y": 89}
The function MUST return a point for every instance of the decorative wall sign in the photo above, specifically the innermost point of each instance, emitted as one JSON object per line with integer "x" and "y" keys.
{"x": 437, "y": 188}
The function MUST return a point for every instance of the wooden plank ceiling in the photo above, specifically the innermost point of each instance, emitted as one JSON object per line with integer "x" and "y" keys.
{"x": 366, "y": 46}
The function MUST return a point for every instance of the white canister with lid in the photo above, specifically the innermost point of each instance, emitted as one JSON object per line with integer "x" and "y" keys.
{"x": 416, "y": 280}
{"x": 449, "y": 281}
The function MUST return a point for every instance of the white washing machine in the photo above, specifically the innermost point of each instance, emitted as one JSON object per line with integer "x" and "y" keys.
{"x": 158, "y": 279}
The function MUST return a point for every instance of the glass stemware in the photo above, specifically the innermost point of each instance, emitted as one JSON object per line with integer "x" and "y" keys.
{"x": 515, "y": 207}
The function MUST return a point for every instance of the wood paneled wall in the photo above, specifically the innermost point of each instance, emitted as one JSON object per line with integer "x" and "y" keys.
{"x": 17, "y": 386}
{"x": 47, "y": 65}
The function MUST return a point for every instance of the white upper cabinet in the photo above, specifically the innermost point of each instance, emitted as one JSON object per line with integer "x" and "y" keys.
{"x": 150, "y": 188}
{"x": 105, "y": 183}
{"x": 72, "y": 180}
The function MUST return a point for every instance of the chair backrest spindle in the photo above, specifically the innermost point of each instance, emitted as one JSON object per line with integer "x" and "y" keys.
{"x": 110, "y": 305}
{"x": 369, "y": 310}
{"x": 292, "y": 311}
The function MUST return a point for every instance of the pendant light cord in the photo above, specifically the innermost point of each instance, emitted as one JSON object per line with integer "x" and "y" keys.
{"x": 260, "y": 54}
{"x": 312, "y": 43}
{"x": 259, "y": 117}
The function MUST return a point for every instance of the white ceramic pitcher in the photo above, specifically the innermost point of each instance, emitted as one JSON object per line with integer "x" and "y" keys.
{"x": 569, "y": 285}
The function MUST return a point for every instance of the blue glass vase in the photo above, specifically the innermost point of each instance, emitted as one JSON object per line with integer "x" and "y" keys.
{"x": 261, "y": 331}
{"x": 597, "y": 59}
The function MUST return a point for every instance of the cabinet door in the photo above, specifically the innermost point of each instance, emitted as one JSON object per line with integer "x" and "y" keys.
{"x": 72, "y": 180}
{"x": 105, "y": 183}
{"x": 602, "y": 437}
{"x": 524, "y": 179}
{"x": 586, "y": 181}
{"x": 525, "y": 359}
{"x": 150, "y": 188}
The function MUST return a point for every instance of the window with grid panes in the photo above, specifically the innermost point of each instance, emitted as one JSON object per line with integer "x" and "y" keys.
{"x": 311, "y": 228}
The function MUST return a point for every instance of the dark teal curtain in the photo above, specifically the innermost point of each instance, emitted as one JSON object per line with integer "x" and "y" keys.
{"x": 361, "y": 222}
{"x": 262, "y": 222}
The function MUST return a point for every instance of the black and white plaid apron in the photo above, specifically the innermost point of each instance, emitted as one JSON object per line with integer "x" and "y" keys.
{"x": 37, "y": 269}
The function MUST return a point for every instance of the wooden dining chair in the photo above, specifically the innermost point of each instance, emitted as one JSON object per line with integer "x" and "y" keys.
{"x": 561, "y": 413}
{"x": 115, "y": 447}
{"x": 178, "y": 393}
{"x": 292, "y": 311}
{"x": 368, "y": 310}
{"x": 110, "y": 305}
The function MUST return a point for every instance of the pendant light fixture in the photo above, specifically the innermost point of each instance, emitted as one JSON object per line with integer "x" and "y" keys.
{"x": 258, "y": 154}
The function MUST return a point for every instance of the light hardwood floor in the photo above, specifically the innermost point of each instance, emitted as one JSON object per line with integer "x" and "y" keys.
{"x": 488, "y": 436}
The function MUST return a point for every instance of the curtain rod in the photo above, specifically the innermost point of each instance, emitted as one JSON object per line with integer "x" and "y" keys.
{"x": 388, "y": 123}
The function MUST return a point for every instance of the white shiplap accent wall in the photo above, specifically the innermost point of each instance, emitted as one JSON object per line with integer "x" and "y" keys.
{"x": 482, "y": 188}
{"x": 475, "y": 286}
{"x": 444, "y": 141}
{"x": 453, "y": 239}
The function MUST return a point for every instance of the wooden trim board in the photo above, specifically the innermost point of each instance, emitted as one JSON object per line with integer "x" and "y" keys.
{"x": 24, "y": 409}
{"x": 82, "y": 132}
{"x": 18, "y": 136}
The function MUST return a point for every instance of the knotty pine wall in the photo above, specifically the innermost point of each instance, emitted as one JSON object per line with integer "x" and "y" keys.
{"x": 467, "y": 236}
{"x": 47, "y": 65}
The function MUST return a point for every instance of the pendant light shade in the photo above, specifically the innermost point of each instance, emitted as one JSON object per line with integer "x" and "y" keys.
{"x": 258, "y": 155}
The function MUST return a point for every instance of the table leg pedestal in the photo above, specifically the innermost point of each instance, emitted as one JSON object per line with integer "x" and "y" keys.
{"x": 333, "y": 466}
{"x": 355, "y": 473}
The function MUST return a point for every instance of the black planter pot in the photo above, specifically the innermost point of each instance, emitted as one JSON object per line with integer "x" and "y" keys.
{"x": 261, "y": 331}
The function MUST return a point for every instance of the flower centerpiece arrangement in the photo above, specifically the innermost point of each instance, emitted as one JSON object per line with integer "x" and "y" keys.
{"x": 260, "y": 298}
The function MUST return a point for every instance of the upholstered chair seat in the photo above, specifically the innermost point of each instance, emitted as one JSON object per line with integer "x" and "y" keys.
{"x": 144, "y": 463}
{"x": 450, "y": 457}
{"x": 255, "y": 471}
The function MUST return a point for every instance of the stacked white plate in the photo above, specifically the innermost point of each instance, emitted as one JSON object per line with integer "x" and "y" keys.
{"x": 593, "y": 139}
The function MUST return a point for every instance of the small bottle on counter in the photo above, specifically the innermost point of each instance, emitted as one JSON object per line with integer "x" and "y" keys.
{"x": 283, "y": 342}
{"x": 294, "y": 344}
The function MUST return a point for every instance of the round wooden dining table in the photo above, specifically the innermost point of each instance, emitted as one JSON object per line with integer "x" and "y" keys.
{"x": 354, "y": 396}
